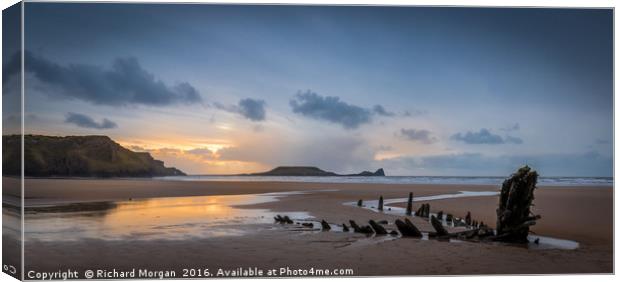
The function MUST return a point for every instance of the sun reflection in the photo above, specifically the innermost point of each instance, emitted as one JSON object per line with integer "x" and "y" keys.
{"x": 173, "y": 218}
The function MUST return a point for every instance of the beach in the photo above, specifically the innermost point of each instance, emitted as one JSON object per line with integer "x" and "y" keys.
{"x": 577, "y": 213}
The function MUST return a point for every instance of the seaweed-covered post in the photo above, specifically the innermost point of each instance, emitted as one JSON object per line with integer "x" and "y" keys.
{"x": 380, "y": 203}
{"x": 514, "y": 217}
{"x": 410, "y": 204}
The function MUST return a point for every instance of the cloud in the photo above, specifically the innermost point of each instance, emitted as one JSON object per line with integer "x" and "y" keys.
{"x": 484, "y": 136}
{"x": 252, "y": 109}
{"x": 88, "y": 122}
{"x": 330, "y": 109}
{"x": 513, "y": 140}
{"x": 417, "y": 135}
{"x": 414, "y": 113}
{"x": 380, "y": 110}
{"x": 126, "y": 82}
{"x": 514, "y": 127}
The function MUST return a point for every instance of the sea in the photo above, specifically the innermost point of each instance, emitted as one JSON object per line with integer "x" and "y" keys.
{"x": 542, "y": 181}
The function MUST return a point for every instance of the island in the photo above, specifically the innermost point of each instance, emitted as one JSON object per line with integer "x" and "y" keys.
{"x": 78, "y": 156}
{"x": 311, "y": 171}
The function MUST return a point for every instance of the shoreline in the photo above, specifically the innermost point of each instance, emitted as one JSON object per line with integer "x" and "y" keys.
{"x": 580, "y": 214}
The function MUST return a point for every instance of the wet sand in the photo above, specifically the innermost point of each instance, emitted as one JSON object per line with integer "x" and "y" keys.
{"x": 583, "y": 214}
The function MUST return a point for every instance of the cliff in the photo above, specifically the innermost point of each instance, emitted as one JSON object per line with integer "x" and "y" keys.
{"x": 78, "y": 156}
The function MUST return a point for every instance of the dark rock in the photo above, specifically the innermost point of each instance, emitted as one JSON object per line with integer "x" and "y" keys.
{"x": 360, "y": 203}
{"x": 345, "y": 228}
{"x": 308, "y": 224}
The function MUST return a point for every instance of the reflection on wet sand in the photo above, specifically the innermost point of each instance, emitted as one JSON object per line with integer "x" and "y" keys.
{"x": 155, "y": 218}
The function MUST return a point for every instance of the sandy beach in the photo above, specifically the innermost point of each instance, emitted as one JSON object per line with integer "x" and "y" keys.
{"x": 581, "y": 214}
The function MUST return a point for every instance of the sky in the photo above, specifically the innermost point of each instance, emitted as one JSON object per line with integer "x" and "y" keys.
{"x": 223, "y": 89}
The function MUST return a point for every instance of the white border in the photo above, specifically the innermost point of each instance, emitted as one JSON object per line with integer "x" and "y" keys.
{"x": 493, "y": 3}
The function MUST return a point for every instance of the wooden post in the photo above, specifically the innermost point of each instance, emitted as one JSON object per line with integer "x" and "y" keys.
{"x": 438, "y": 227}
{"x": 380, "y": 203}
{"x": 410, "y": 204}
{"x": 377, "y": 227}
{"x": 360, "y": 203}
{"x": 514, "y": 217}
{"x": 325, "y": 226}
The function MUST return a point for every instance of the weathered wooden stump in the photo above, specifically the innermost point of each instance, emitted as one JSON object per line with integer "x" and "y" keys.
{"x": 449, "y": 217}
{"x": 468, "y": 218}
{"x": 325, "y": 226}
{"x": 287, "y": 219}
{"x": 407, "y": 229}
{"x": 361, "y": 229}
{"x": 427, "y": 210}
{"x": 360, "y": 203}
{"x": 420, "y": 211}
{"x": 514, "y": 217}
{"x": 379, "y": 230}
{"x": 440, "y": 215}
{"x": 380, "y": 203}
{"x": 410, "y": 204}
{"x": 345, "y": 228}
{"x": 440, "y": 231}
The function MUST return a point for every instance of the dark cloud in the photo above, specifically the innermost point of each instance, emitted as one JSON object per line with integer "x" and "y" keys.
{"x": 252, "y": 109}
{"x": 484, "y": 136}
{"x": 417, "y": 135}
{"x": 125, "y": 83}
{"x": 380, "y": 110}
{"x": 88, "y": 122}
{"x": 330, "y": 109}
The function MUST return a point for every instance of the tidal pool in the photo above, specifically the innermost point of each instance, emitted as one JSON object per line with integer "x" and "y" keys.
{"x": 171, "y": 218}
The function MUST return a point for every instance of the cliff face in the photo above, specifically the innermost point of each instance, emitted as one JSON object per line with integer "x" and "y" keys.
{"x": 78, "y": 156}
{"x": 311, "y": 171}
